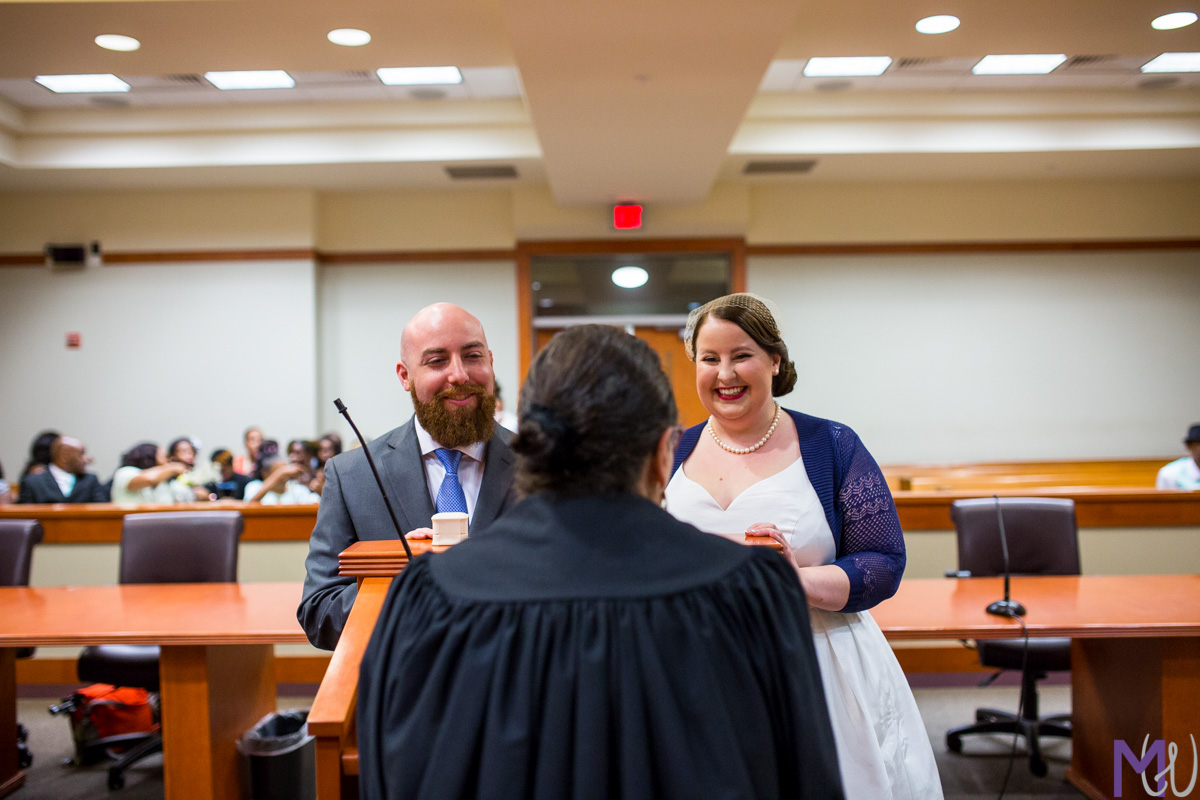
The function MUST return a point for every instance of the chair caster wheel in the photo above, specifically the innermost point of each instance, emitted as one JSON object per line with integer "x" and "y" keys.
{"x": 1037, "y": 767}
{"x": 954, "y": 744}
{"x": 116, "y": 781}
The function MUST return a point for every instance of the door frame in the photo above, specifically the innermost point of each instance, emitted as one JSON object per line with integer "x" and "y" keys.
{"x": 735, "y": 248}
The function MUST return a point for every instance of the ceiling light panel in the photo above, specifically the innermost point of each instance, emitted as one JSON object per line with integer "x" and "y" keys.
{"x": 250, "y": 79}
{"x": 1023, "y": 64}
{"x": 64, "y": 84}
{"x": 419, "y": 76}
{"x": 846, "y": 66}
{"x": 1174, "y": 62}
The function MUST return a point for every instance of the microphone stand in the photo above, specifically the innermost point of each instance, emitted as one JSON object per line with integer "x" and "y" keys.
{"x": 1006, "y": 607}
{"x": 341, "y": 407}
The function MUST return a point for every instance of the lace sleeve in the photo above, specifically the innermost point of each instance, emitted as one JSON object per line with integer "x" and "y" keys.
{"x": 872, "y": 544}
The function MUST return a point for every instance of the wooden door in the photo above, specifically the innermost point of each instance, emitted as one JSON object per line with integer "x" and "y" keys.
{"x": 679, "y": 370}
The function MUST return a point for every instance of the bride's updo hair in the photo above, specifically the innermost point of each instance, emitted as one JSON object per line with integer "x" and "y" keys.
{"x": 750, "y": 313}
{"x": 593, "y": 407}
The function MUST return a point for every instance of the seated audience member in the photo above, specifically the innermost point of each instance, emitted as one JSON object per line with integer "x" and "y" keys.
{"x": 286, "y": 484}
{"x": 196, "y": 475}
{"x": 1183, "y": 473}
{"x": 39, "y": 454}
{"x": 147, "y": 476}
{"x": 589, "y": 644}
{"x": 506, "y": 419}
{"x": 229, "y": 483}
{"x": 66, "y": 479}
{"x": 268, "y": 448}
{"x": 328, "y": 446}
{"x": 6, "y": 495}
{"x": 246, "y": 463}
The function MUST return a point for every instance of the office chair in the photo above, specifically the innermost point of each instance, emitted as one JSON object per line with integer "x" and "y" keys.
{"x": 17, "y": 538}
{"x": 1042, "y": 540}
{"x": 166, "y": 547}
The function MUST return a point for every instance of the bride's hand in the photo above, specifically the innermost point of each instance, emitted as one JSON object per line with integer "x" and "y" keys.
{"x": 769, "y": 529}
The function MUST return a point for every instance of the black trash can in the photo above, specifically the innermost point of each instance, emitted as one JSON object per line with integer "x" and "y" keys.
{"x": 279, "y": 758}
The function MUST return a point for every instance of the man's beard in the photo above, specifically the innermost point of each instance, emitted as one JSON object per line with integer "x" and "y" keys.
{"x": 457, "y": 427}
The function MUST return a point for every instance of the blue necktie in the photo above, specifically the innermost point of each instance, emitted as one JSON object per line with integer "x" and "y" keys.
{"x": 450, "y": 496}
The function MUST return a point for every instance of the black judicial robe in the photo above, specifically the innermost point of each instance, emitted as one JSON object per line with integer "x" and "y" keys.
{"x": 594, "y": 647}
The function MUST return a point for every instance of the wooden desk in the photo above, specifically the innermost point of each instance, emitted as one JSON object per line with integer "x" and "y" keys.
{"x": 1136, "y": 660}
{"x": 1095, "y": 507}
{"x": 1135, "y": 653}
{"x": 217, "y": 673}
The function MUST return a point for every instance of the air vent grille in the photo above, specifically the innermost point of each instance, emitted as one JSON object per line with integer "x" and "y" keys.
{"x": 779, "y": 167}
{"x": 489, "y": 172}
{"x": 187, "y": 80}
{"x": 1088, "y": 61}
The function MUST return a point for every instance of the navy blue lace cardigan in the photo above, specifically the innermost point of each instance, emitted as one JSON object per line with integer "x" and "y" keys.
{"x": 857, "y": 503}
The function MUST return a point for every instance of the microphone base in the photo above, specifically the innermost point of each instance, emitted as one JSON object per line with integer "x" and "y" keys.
{"x": 1006, "y": 608}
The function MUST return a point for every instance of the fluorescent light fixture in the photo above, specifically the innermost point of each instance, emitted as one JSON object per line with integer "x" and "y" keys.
{"x": 942, "y": 23}
{"x": 419, "y": 76}
{"x": 846, "y": 66}
{"x": 250, "y": 79}
{"x": 115, "y": 41}
{"x": 349, "y": 37}
{"x": 1169, "y": 22}
{"x": 630, "y": 277}
{"x": 1030, "y": 64}
{"x": 82, "y": 83}
{"x": 1174, "y": 62}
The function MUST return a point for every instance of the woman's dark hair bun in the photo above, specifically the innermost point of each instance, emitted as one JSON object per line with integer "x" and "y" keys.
{"x": 546, "y": 437}
{"x": 785, "y": 381}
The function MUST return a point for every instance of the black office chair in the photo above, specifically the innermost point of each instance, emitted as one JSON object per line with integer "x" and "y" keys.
{"x": 1042, "y": 540}
{"x": 166, "y": 547}
{"x": 17, "y": 538}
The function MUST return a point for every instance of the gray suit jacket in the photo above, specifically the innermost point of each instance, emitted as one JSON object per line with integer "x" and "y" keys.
{"x": 353, "y": 510}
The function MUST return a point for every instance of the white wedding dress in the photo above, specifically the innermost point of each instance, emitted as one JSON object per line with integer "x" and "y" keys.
{"x": 883, "y": 749}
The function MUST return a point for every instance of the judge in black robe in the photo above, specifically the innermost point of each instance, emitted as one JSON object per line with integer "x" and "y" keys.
{"x": 591, "y": 645}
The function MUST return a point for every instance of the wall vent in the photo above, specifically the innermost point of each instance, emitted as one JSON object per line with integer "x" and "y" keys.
{"x": 779, "y": 167}
{"x": 472, "y": 173}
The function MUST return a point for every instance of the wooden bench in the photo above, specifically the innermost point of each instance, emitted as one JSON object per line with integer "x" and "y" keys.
{"x": 986, "y": 476}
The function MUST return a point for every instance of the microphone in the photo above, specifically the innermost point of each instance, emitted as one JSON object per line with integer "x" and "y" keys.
{"x": 1006, "y": 607}
{"x": 341, "y": 407}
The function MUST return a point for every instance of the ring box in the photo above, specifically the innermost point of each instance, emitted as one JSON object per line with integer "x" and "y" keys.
{"x": 449, "y": 527}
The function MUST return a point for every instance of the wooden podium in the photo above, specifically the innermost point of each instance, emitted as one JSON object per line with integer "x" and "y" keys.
{"x": 1135, "y": 655}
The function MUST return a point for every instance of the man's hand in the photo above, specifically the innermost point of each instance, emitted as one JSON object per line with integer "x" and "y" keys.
{"x": 419, "y": 533}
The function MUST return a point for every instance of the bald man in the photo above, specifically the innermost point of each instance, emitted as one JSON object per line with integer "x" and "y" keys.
{"x": 450, "y": 456}
{"x": 66, "y": 480}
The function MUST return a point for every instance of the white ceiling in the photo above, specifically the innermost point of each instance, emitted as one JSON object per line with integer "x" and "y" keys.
{"x": 620, "y": 100}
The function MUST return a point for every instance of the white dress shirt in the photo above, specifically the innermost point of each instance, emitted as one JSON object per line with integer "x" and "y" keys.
{"x": 64, "y": 479}
{"x": 1179, "y": 474}
{"x": 470, "y": 469}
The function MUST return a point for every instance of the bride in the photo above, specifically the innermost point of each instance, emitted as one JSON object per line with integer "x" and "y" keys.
{"x": 811, "y": 485}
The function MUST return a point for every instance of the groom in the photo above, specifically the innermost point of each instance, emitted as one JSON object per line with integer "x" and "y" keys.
{"x": 451, "y": 456}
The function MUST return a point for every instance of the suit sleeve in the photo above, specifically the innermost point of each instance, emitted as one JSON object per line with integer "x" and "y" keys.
{"x": 328, "y": 597}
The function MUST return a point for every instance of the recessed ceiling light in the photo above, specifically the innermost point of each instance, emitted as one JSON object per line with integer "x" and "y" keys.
{"x": 250, "y": 79}
{"x": 419, "y": 76}
{"x": 846, "y": 66}
{"x": 82, "y": 83}
{"x": 1169, "y": 22}
{"x": 1174, "y": 62}
{"x": 630, "y": 277}
{"x": 1028, "y": 64}
{"x": 942, "y": 23}
{"x": 349, "y": 37}
{"x": 115, "y": 41}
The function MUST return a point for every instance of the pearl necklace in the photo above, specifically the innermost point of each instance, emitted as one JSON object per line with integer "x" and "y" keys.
{"x": 741, "y": 451}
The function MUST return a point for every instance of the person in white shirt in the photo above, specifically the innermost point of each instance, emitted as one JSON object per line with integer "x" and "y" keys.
{"x": 1183, "y": 473}
{"x": 285, "y": 484}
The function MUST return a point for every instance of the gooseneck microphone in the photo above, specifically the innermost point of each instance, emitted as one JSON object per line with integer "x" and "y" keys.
{"x": 341, "y": 407}
{"x": 1006, "y": 607}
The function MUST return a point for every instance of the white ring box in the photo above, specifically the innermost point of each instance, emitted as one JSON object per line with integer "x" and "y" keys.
{"x": 449, "y": 527}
